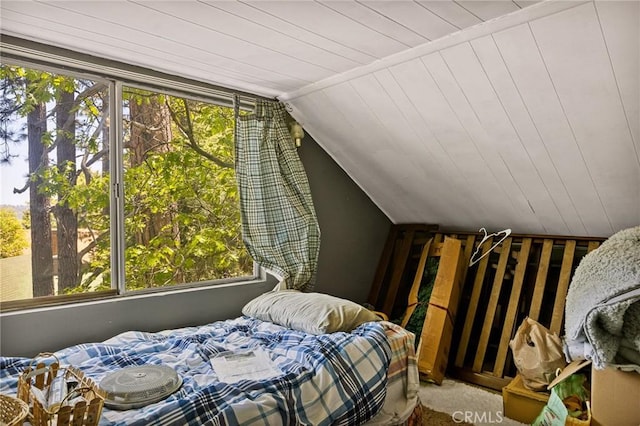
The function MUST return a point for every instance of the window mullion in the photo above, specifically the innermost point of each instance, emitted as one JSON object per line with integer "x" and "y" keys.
{"x": 117, "y": 188}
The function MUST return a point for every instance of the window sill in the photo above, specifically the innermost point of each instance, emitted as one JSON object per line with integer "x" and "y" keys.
{"x": 24, "y": 305}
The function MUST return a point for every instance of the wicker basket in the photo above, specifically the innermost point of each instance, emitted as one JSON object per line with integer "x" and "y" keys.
{"x": 87, "y": 399}
{"x": 13, "y": 411}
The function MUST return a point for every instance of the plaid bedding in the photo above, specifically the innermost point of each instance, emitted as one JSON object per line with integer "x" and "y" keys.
{"x": 403, "y": 380}
{"x": 331, "y": 379}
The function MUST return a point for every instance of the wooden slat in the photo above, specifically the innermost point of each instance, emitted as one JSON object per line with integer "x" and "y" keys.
{"x": 537, "y": 238}
{"x": 447, "y": 286}
{"x": 512, "y": 308}
{"x": 466, "y": 256}
{"x": 78, "y": 413}
{"x": 469, "y": 246}
{"x": 383, "y": 264}
{"x": 541, "y": 279}
{"x": 94, "y": 410}
{"x": 64, "y": 415}
{"x": 592, "y": 246}
{"x": 417, "y": 280}
{"x": 551, "y": 281}
{"x": 436, "y": 249}
{"x": 438, "y": 238}
{"x": 398, "y": 270}
{"x": 40, "y": 378}
{"x": 481, "y": 379}
{"x": 473, "y": 305}
{"x": 492, "y": 305}
{"x": 563, "y": 285}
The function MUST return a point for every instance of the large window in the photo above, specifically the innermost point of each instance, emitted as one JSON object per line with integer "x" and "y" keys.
{"x": 87, "y": 206}
{"x": 182, "y": 222}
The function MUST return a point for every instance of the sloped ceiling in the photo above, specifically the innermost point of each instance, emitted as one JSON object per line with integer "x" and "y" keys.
{"x": 496, "y": 114}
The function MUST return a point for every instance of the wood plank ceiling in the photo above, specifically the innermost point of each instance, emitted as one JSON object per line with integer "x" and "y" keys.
{"x": 517, "y": 114}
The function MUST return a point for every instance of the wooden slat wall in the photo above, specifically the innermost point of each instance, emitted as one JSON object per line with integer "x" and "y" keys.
{"x": 563, "y": 286}
{"x": 510, "y": 318}
{"x": 492, "y": 307}
{"x": 393, "y": 279}
{"x": 473, "y": 304}
{"x": 525, "y": 275}
{"x": 541, "y": 278}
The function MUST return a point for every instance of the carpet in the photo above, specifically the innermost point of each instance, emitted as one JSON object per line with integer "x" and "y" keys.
{"x": 436, "y": 418}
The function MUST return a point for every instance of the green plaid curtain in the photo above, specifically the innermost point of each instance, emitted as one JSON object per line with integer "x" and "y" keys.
{"x": 279, "y": 224}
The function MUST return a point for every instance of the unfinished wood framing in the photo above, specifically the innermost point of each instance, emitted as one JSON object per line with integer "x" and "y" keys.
{"x": 526, "y": 275}
{"x": 399, "y": 279}
{"x": 397, "y": 267}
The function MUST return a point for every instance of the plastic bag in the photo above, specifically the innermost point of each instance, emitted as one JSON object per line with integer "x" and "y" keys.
{"x": 567, "y": 405}
{"x": 537, "y": 354}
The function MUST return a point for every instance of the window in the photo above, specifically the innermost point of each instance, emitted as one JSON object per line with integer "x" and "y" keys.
{"x": 182, "y": 222}
{"x": 88, "y": 207}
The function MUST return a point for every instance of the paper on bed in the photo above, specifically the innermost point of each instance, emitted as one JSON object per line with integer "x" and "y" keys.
{"x": 231, "y": 367}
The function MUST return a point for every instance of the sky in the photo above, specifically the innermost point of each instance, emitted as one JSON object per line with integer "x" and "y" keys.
{"x": 13, "y": 175}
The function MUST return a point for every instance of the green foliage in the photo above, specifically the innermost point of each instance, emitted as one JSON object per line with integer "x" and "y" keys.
{"x": 200, "y": 238}
{"x": 182, "y": 220}
{"x": 416, "y": 321}
{"x": 26, "y": 219}
{"x": 12, "y": 236}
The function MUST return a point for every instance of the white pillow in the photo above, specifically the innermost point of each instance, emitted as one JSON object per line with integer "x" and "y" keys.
{"x": 313, "y": 313}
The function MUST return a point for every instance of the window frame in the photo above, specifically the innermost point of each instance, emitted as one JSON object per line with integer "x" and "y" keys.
{"x": 23, "y": 53}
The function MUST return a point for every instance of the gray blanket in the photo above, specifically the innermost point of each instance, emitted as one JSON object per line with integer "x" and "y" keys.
{"x": 602, "y": 308}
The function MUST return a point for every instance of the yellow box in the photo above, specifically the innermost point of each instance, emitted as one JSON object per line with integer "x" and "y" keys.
{"x": 435, "y": 343}
{"x": 522, "y": 404}
{"x": 448, "y": 282}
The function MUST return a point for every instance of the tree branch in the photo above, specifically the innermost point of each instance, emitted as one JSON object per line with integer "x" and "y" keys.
{"x": 90, "y": 91}
{"x": 24, "y": 188}
{"x": 91, "y": 245}
{"x": 188, "y": 133}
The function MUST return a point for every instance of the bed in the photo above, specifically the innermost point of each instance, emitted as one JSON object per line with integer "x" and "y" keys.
{"x": 365, "y": 375}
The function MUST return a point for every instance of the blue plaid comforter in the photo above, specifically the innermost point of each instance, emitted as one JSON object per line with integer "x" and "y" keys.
{"x": 331, "y": 379}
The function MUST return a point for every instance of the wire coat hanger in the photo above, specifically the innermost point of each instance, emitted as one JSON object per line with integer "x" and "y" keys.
{"x": 475, "y": 260}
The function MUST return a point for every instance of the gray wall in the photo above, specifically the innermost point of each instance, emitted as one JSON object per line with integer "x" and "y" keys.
{"x": 353, "y": 234}
{"x": 353, "y": 229}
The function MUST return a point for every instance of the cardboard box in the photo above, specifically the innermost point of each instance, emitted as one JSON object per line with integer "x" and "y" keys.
{"x": 447, "y": 285}
{"x": 437, "y": 330}
{"x": 435, "y": 343}
{"x": 615, "y": 397}
{"x": 520, "y": 403}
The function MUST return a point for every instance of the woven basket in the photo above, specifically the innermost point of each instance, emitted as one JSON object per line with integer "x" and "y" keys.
{"x": 85, "y": 412}
{"x": 12, "y": 410}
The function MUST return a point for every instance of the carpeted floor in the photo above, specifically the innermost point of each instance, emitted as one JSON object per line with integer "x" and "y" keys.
{"x": 437, "y": 418}
{"x": 461, "y": 401}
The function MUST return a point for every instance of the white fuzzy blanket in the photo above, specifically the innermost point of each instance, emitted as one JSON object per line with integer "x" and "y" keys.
{"x": 603, "y": 302}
